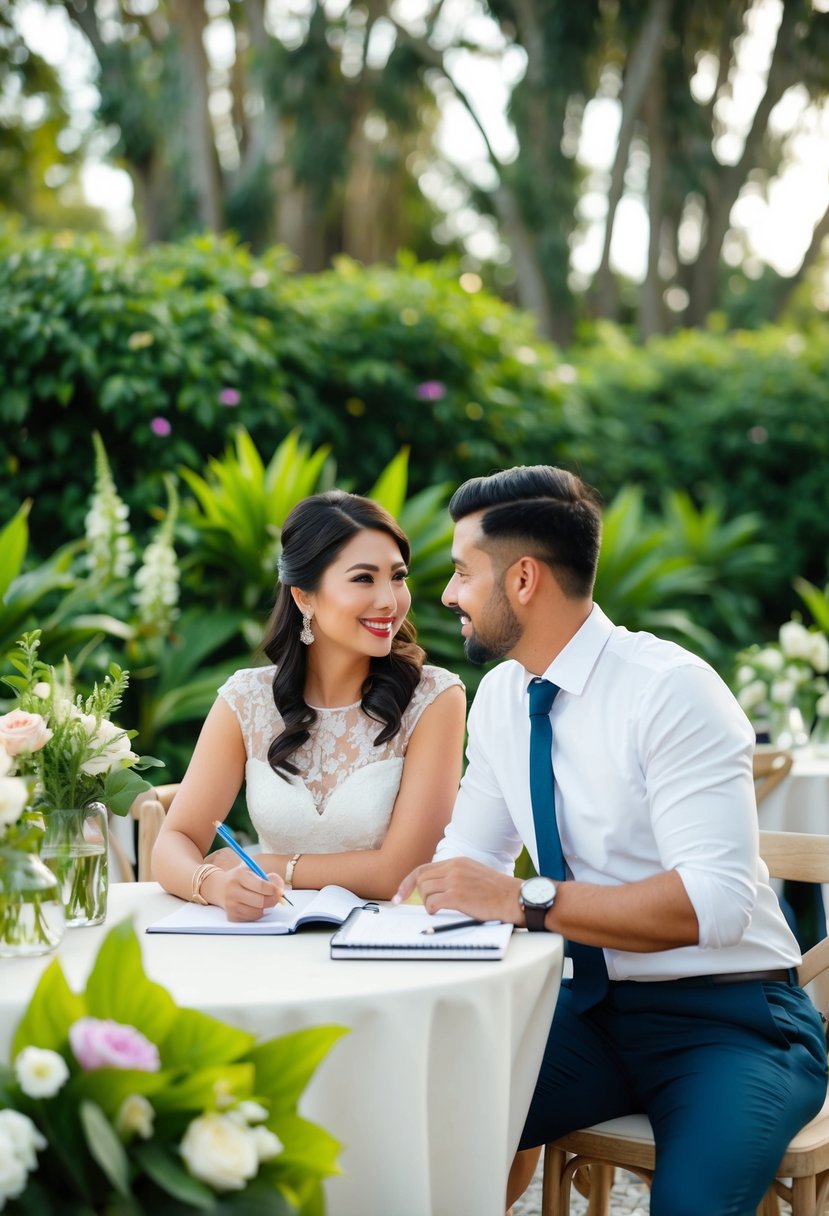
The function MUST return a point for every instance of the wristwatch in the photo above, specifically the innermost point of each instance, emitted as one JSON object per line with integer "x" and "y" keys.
{"x": 537, "y": 896}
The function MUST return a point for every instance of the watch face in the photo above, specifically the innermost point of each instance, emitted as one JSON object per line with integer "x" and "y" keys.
{"x": 538, "y": 891}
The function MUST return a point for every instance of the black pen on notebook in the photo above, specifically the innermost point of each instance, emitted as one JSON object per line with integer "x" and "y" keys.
{"x": 227, "y": 837}
{"x": 456, "y": 924}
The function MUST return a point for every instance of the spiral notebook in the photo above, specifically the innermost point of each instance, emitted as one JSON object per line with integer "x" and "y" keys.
{"x": 398, "y": 932}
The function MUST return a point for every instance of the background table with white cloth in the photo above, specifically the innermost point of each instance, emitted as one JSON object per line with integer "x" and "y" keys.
{"x": 427, "y": 1093}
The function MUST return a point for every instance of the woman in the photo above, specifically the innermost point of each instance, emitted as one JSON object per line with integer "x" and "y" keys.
{"x": 349, "y": 745}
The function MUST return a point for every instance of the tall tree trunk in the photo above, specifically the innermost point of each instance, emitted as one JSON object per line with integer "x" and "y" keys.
{"x": 725, "y": 183}
{"x": 652, "y": 314}
{"x": 643, "y": 62}
{"x": 189, "y": 20}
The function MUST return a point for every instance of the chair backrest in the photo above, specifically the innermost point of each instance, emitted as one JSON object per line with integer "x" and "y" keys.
{"x": 770, "y": 766}
{"x": 803, "y": 857}
{"x": 149, "y": 810}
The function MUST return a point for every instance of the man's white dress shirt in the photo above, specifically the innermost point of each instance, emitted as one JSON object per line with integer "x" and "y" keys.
{"x": 652, "y": 761}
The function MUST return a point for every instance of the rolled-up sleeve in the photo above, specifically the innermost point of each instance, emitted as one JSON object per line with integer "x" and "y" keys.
{"x": 696, "y": 746}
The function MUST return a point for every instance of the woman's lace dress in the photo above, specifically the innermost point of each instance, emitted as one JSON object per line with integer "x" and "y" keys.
{"x": 345, "y": 794}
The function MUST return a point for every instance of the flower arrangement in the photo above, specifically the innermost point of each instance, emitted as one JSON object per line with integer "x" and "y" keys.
{"x": 791, "y": 671}
{"x": 64, "y": 748}
{"x": 118, "y": 1101}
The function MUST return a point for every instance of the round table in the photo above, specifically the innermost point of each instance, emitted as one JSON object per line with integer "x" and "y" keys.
{"x": 429, "y": 1090}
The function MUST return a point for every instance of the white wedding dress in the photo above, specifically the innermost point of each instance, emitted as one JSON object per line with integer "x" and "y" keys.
{"x": 346, "y": 794}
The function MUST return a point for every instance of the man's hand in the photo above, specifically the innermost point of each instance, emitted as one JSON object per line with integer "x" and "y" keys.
{"x": 467, "y": 886}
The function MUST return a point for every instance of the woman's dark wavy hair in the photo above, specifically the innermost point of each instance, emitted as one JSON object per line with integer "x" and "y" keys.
{"x": 550, "y": 511}
{"x": 313, "y": 536}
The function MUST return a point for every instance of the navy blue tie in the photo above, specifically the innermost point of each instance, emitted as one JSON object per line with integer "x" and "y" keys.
{"x": 589, "y": 969}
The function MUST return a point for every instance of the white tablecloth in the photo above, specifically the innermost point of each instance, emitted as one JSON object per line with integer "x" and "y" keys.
{"x": 429, "y": 1091}
{"x": 800, "y": 803}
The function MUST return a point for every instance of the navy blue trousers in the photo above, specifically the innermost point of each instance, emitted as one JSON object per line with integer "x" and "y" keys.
{"x": 727, "y": 1075}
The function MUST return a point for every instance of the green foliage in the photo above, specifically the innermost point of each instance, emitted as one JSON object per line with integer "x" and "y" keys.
{"x": 205, "y": 1067}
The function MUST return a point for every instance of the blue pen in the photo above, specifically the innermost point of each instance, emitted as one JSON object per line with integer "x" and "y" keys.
{"x": 227, "y": 837}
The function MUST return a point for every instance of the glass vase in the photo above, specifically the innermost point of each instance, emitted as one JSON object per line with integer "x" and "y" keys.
{"x": 787, "y": 726}
{"x": 820, "y": 736}
{"x": 31, "y": 911}
{"x": 76, "y": 850}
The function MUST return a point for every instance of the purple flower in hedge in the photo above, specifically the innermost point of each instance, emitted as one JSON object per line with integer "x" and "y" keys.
{"x": 431, "y": 390}
{"x": 230, "y": 397}
{"x": 160, "y": 426}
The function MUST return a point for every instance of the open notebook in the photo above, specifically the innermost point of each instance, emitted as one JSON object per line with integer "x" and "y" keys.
{"x": 330, "y": 906}
{"x": 401, "y": 932}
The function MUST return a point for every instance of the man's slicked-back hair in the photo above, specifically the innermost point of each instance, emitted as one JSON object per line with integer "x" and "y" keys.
{"x": 548, "y": 512}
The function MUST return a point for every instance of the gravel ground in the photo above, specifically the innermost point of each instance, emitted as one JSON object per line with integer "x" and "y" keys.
{"x": 629, "y": 1197}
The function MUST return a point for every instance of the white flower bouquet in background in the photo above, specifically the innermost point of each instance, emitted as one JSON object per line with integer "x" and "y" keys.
{"x": 116, "y": 1101}
{"x": 786, "y": 681}
{"x": 77, "y": 766}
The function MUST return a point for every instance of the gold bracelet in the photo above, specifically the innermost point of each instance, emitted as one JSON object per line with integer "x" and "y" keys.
{"x": 199, "y": 875}
{"x": 289, "y": 870}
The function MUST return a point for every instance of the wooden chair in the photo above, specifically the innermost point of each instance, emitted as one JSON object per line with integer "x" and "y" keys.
{"x": 149, "y": 810}
{"x": 803, "y": 1174}
{"x": 770, "y": 768}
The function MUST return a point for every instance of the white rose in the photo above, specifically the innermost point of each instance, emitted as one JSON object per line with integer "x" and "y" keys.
{"x": 798, "y": 674}
{"x": 135, "y": 1117}
{"x": 771, "y": 659}
{"x": 794, "y": 640}
{"x": 23, "y": 732}
{"x": 13, "y": 795}
{"x": 781, "y": 692}
{"x": 219, "y": 1151}
{"x": 40, "y": 1072}
{"x": 13, "y": 1173}
{"x": 111, "y": 747}
{"x": 819, "y": 651}
{"x": 252, "y": 1112}
{"x": 267, "y": 1143}
{"x": 42, "y": 690}
{"x": 745, "y": 674}
{"x": 88, "y": 721}
{"x": 22, "y": 1135}
{"x": 752, "y": 695}
{"x": 822, "y": 706}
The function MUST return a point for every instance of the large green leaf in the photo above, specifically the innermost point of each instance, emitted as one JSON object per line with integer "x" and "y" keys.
{"x": 51, "y": 1011}
{"x": 118, "y": 987}
{"x": 104, "y": 1146}
{"x": 168, "y": 1173}
{"x": 285, "y": 1065}
{"x": 196, "y": 1040}
{"x": 14, "y": 540}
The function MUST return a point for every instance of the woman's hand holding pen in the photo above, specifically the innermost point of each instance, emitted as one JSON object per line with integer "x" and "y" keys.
{"x": 242, "y": 894}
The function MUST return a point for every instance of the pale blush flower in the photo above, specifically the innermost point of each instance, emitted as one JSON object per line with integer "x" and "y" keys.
{"x": 794, "y": 640}
{"x": 161, "y": 427}
{"x": 112, "y": 750}
{"x": 23, "y": 1136}
{"x": 230, "y": 397}
{"x": 23, "y": 732}
{"x": 218, "y": 1150}
{"x": 102, "y": 1043}
{"x": 135, "y": 1117}
{"x": 40, "y": 1072}
{"x": 14, "y": 794}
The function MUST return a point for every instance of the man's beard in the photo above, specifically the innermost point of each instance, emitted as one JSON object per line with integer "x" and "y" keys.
{"x": 502, "y": 631}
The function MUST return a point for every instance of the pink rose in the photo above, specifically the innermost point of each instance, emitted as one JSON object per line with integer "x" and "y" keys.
{"x": 23, "y": 732}
{"x": 105, "y": 1044}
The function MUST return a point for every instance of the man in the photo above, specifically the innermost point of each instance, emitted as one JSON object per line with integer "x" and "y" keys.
{"x": 689, "y": 1011}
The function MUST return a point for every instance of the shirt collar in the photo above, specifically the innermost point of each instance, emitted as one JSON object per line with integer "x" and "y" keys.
{"x": 571, "y": 667}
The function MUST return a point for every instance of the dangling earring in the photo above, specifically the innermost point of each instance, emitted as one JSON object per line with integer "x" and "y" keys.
{"x": 306, "y": 636}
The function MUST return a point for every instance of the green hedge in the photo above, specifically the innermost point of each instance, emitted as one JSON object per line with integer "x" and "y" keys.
{"x": 200, "y": 336}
